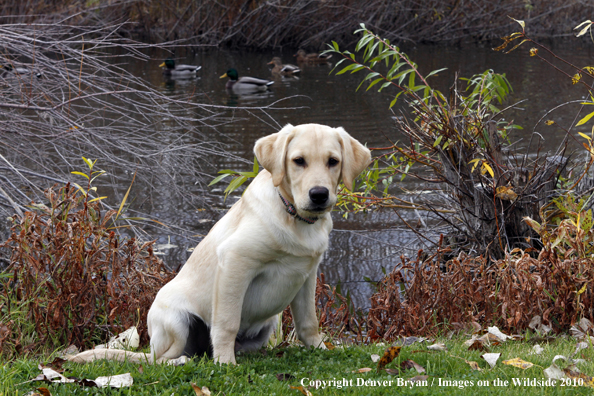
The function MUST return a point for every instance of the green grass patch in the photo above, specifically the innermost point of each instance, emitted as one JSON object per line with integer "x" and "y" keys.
{"x": 334, "y": 373}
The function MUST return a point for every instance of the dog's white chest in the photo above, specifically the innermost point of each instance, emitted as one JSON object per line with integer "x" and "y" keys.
{"x": 275, "y": 287}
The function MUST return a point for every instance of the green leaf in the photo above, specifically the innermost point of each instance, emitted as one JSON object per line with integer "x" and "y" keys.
{"x": 125, "y": 198}
{"x": 256, "y": 167}
{"x": 219, "y": 178}
{"x": 435, "y": 72}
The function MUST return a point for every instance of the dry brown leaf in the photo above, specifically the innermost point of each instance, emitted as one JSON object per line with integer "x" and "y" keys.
{"x": 329, "y": 345}
{"x": 204, "y": 391}
{"x": 363, "y": 370}
{"x": 302, "y": 390}
{"x": 477, "y": 345}
{"x": 587, "y": 380}
{"x": 505, "y": 193}
{"x": 389, "y": 355}
{"x": 473, "y": 365}
{"x": 517, "y": 362}
{"x": 408, "y": 364}
{"x": 44, "y": 391}
{"x": 418, "y": 378}
{"x": 437, "y": 347}
{"x": 392, "y": 371}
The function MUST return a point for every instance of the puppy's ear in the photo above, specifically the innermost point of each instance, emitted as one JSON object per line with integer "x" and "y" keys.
{"x": 271, "y": 152}
{"x": 355, "y": 158}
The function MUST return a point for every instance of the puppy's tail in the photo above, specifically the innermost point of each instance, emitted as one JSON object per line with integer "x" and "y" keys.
{"x": 118, "y": 355}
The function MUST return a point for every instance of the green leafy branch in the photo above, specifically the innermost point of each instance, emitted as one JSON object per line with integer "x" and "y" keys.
{"x": 239, "y": 178}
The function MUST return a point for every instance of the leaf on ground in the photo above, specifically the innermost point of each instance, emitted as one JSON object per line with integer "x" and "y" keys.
{"x": 363, "y": 370}
{"x": 302, "y": 390}
{"x": 44, "y": 391}
{"x": 418, "y": 378}
{"x": 375, "y": 358}
{"x": 537, "y": 350}
{"x": 56, "y": 364}
{"x": 575, "y": 374}
{"x": 204, "y": 391}
{"x": 389, "y": 355}
{"x": 497, "y": 333}
{"x": 437, "y": 347}
{"x": 491, "y": 358}
{"x": 477, "y": 345}
{"x": 517, "y": 362}
{"x": 329, "y": 345}
{"x": 473, "y": 365}
{"x": 409, "y": 364}
{"x": 285, "y": 376}
{"x": 392, "y": 371}
{"x": 115, "y": 381}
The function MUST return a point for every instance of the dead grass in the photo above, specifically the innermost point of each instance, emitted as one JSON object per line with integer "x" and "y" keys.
{"x": 73, "y": 277}
{"x": 427, "y": 297}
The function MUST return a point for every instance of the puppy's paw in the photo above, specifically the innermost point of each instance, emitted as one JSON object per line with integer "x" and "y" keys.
{"x": 225, "y": 358}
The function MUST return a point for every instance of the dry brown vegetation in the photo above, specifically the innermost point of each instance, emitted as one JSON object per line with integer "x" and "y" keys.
{"x": 72, "y": 277}
{"x": 310, "y": 23}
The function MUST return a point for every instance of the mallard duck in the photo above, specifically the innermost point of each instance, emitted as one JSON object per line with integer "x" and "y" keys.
{"x": 245, "y": 83}
{"x": 171, "y": 69}
{"x": 284, "y": 70}
{"x": 19, "y": 70}
{"x": 312, "y": 57}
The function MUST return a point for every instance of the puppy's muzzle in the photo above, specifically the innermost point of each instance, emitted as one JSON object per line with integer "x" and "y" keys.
{"x": 319, "y": 197}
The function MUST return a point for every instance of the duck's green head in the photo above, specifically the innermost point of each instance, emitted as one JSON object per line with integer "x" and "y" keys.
{"x": 8, "y": 67}
{"x": 169, "y": 63}
{"x": 232, "y": 74}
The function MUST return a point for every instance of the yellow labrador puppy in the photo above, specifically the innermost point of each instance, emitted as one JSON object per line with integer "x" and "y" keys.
{"x": 260, "y": 257}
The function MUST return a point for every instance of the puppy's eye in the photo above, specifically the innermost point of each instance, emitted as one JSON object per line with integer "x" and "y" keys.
{"x": 299, "y": 161}
{"x": 332, "y": 162}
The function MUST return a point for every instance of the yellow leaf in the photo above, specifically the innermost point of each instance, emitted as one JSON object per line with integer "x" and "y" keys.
{"x": 589, "y": 69}
{"x": 517, "y": 362}
{"x": 487, "y": 168}
{"x": 576, "y": 78}
{"x": 533, "y": 51}
{"x": 549, "y": 122}
{"x": 584, "y": 136}
{"x": 583, "y": 289}
{"x": 588, "y": 24}
{"x": 520, "y": 22}
{"x": 576, "y": 375}
{"x": 390, "y": 354}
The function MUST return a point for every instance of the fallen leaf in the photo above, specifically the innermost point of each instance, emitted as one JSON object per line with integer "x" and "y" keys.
{"x": 473, "y": 365}
{"x": 408, "y": 364}
{"x": 497, "y": 333}
{"x": 204, "y": 391}
{"x": 437, "y": 347}
{"x": 537, "y": 350}
{"x": 329, "y": 345}
{"x": 575, "y": 374}
{"x": 363, "y": 370}
{"x": 477, "y": 345}
{"x": 115, "y": 381}
{"x": 44, "y": 391}
{"x": 491, "y": 358}
{"x": 128, "y": 339}
{"x": 517, "y": 362}
{"x": 389, "y": 355}
{"x": 375, "y": 358}
{"x": 302, "y": 390}
{"x": 392, "y": 371}
{"x": 140, "y": 369}
{"x": 285, "y": 376}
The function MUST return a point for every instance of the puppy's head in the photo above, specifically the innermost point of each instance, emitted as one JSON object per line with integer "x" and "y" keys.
{"x": 308, "y": 161}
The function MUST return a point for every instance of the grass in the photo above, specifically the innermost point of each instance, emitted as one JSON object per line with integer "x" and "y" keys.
{"x": 256, "y": 373}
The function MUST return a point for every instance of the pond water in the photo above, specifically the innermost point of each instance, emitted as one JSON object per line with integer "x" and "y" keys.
{"x": 364, "y": 245}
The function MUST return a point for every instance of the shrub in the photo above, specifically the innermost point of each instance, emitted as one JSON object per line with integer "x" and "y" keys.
{"x": 73, "y": 279}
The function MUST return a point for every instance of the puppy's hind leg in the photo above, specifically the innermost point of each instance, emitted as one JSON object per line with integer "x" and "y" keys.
{"x": 169, "y": 331}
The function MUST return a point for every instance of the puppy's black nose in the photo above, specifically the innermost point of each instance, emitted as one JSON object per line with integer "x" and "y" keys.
{"x": 319, "y": 195}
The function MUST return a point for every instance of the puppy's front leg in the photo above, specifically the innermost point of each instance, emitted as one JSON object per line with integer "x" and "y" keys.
{"x": 303, "y": 309}
{"x": 231, "y": 283}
